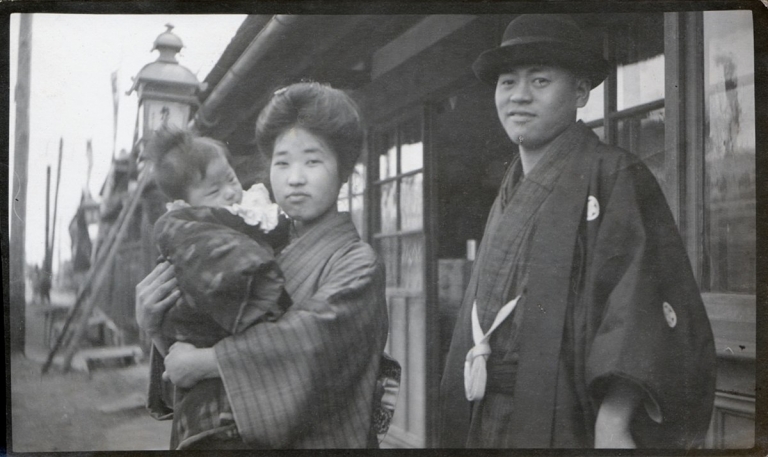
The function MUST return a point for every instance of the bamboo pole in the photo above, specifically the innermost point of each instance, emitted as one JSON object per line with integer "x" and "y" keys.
{"x": 56, "y": 205}
{"x": 17, "y": 258}
{"x": 46, "y": 260}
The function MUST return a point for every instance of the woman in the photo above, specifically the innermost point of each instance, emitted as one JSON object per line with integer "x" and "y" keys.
{"x": 307, "y": 380}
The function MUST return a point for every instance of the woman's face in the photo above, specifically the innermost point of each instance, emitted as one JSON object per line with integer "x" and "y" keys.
{"x": 305, "y": 176}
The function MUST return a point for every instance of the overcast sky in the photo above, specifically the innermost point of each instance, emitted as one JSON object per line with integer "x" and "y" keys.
{"x": 73, "y": 57}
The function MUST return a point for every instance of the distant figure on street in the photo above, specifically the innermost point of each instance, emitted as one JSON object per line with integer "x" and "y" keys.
{"x": 582, "y": 325}
{"x": 41, "y": 286}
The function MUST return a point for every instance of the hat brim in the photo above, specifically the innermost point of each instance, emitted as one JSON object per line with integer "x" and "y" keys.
{"x": 490, "y": 64}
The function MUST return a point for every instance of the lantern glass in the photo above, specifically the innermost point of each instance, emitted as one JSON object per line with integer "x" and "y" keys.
{"x": 162, "y": 113}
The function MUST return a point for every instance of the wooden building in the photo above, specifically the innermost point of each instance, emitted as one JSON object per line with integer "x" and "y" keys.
{"x": 681, "y": 96}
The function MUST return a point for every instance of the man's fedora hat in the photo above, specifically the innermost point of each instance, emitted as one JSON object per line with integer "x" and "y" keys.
{"x": 551, "y": 39}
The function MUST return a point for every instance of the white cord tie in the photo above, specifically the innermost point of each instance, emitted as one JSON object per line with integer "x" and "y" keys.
{"x": 475, "y": 375}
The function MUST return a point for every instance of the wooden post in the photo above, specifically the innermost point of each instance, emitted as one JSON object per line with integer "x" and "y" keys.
{"x": 97, "y": 275}
{"x": 17, "y": 258}
{"x": 46, "y": 261}
{"x": 101, "y": 274}
{"x": 55, "y": 208}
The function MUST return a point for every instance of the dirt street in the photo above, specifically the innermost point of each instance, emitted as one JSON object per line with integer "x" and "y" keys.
{"x": 74, "y": 412}
{"x": 77, "y": 411}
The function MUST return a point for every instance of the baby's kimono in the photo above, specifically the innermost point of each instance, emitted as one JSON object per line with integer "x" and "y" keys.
{"x": 229, "y": 281}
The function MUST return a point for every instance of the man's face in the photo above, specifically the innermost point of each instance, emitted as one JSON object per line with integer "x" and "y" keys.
{"x": 536, "y": 103}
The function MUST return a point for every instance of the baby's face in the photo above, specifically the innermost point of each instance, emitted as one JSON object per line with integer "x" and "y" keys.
{"x": 220, "y": 187}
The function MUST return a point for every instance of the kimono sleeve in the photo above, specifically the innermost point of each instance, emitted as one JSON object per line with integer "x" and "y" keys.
{"x": 283, "y": 378}
{"x": 646, "y": 317}
{"x": 159, "y": 392}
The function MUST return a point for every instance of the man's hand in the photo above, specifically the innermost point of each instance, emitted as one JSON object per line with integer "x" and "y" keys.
{"x": 186, "y": 365}
{"x": 615, "y": 415}
{"x": 155, "y": 294}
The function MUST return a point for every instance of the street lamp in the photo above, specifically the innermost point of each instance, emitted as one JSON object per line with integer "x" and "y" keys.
{"x": 167, "y": 91}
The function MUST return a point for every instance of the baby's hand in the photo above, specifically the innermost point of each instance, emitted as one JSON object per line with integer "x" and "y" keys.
{"x": 176, "y": 204}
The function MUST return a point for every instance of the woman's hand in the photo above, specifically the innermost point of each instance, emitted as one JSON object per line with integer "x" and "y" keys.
{"x": 155, "y": 294}
{"x": 186, "y": 365}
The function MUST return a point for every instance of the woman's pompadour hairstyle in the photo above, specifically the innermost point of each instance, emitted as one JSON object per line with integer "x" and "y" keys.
{"x": 326, "y": 112}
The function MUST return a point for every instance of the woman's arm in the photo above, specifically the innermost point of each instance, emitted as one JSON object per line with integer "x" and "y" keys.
{"x": 155, "y": 294}
{"x": 186, "y": 365}
{"x": 317, "y": 360}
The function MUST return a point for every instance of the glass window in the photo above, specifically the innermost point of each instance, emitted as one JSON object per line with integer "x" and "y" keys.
{"x": 643, "y": 134}
{"x": 352, "y": 196}
{"x": 400, "y": 237}
{"x": 388, "y": 157}
{"x": 412, "y": 202}
{"x": 412, "y": 262}
{"x": 636, "y": 42}
{"x": 411, "y": 148}
{"x": 639, "y": 56}
{"x": 389, "y": 207}
{"x": 595, "y": 105}
{"x": 641, "y": 81}
{"x": 729, "y": 201}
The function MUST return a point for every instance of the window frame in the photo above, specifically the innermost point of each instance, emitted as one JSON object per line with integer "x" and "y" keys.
{"x": 732, "y": 314}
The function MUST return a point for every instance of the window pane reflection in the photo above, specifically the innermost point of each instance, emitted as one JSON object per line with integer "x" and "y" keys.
{"x": 600, "y": 132}
{"x": 730, "y": 209}
{"x": 357, "y": 213}
{"x": 640, "y": 82}
{"x": 388, "y": 158}
{"x": 639, "y": 49}
{"x": 643, "y": 135}
{"x": 595, "y": 105}
{"x": 412, "y": 267}
{"x": 388, "y": 252}
{"x": 411, "y": 147}
{"x": 343, "y": 204}
{"x": 389, "y": 207}
{"x": 357, "y": 179}
{"x": 412, "y": 202}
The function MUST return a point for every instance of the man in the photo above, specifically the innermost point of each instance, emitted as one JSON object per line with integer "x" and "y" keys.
{"x": 582, "y": 325}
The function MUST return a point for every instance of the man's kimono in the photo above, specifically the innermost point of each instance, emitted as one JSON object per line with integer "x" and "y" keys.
{"x": 588, "y": 243}
{"x": 230, "y": 281}
{"x": 308, "y": 379}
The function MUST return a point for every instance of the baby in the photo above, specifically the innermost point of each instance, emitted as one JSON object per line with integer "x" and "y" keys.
{"x": 220, "y": 240}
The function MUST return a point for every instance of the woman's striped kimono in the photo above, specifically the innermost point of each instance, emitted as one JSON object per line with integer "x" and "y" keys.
{"x": 308, "y": 379}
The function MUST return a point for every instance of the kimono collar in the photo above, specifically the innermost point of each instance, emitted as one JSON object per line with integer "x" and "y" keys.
{"x": 340, "y": 224}
{"x": 543, "y": 173}
{"x": 547, "y": 169}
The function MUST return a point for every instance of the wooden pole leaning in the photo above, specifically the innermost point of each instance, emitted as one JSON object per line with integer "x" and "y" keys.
{"x": 95, "y": 280}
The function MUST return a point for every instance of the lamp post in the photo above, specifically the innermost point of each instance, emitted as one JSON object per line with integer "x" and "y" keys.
{"x": 167, "y": 95}
{"x": 167, "y": 91}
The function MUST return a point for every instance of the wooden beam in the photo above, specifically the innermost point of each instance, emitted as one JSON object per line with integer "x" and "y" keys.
{"x": 438, "y": 68}
{"x": 415, "y": 40}
{"x": 17, "y": 260}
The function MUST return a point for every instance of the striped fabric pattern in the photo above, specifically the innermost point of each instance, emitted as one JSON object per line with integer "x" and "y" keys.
{"x": 308, "y": 379}
{"x": 501, "y": 263}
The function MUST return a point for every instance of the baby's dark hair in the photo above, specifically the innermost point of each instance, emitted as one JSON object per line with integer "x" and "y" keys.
{"x": 181, "y": 159}
{"x": 322, "y": 110}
